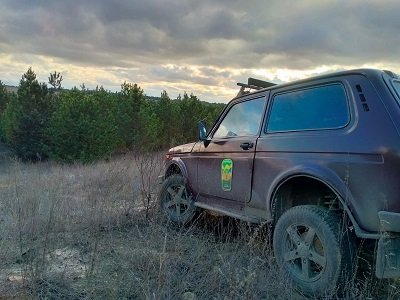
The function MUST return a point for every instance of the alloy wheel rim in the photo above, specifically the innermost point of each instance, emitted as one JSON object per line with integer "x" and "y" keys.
{"x": 177, "y": 200}
{"x": 304, "y": 253}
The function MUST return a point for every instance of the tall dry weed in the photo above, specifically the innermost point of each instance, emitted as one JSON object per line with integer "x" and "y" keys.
{"x": 45, "y": 205}
{"x": 89, "y": 232}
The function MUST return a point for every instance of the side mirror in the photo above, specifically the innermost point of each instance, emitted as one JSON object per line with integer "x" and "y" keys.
{"x": 202, "y": 131}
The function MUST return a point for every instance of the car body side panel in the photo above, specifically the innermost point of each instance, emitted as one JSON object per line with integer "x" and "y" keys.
{"x": 356, "y": 154}
{"x": 209, "y": 168}
{"x": 360, "y": 162}
{"x": 212, "y": 152}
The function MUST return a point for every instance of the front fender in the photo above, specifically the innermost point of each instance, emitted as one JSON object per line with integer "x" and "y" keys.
{"x": 173, "y": 165}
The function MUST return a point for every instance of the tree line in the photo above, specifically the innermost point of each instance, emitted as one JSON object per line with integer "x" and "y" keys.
{"x": 43, "y": 121}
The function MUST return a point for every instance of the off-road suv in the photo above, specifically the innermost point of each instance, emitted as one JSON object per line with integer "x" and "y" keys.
{"x": 318, "y": 158}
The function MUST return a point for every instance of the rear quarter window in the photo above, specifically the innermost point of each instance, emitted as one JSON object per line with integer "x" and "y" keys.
{"x": 316, "y": 108}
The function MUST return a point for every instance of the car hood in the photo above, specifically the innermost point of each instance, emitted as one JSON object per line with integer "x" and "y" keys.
{"x": 186, "y": 148}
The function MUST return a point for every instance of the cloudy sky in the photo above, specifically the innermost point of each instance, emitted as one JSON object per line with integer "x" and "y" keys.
{"x": 197, "y": 46}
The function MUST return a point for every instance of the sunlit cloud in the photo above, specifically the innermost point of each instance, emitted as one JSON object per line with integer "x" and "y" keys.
{"x": 199, "y": 47}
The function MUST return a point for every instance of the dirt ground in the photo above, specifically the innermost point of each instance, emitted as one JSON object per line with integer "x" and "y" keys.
{"x": 86, "y": 232}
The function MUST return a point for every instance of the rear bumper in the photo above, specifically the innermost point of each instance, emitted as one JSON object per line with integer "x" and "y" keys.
{"x": 388, "y": 254}
{"x": 388, "y": 257}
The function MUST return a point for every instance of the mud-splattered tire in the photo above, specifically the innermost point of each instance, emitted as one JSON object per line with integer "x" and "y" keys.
{"x": 176, "y": 202}
{"x": 315, "y": 254}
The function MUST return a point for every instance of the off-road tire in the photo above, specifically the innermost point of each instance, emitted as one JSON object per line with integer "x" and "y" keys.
{"x": 176, "y": 201}
{"x": 314, "y": 250}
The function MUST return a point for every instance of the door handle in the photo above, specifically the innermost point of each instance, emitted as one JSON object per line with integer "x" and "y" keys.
{"x": 246, "y": 146}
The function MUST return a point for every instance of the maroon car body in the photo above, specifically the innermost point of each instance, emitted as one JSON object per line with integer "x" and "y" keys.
{"x": 331, "y": 141}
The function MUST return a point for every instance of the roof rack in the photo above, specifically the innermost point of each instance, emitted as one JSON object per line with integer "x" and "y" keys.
{"x": 253, "y": 84}
{"x": 391, "y": 74}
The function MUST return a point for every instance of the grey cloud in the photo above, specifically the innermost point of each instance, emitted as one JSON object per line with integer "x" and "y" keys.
{"x": 225, "y": 34}
{"x": 182, "y": 74}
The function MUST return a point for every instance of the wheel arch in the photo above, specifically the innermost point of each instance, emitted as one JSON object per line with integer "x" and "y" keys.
{"x": 309, "y": 185}
{"x": 176, "y": 166}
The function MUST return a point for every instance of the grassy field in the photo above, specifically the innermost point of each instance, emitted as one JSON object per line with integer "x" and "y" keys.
{"x": 93, "y": 232}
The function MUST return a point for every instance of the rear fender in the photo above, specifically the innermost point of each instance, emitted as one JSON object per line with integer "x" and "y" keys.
{"x": 328, "y": 178}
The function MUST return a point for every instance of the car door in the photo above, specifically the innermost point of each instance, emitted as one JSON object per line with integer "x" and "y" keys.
{"x": 225, "y": 160}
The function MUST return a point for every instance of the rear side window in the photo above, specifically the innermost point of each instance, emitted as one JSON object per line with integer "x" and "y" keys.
{"x": 323, "y": 107}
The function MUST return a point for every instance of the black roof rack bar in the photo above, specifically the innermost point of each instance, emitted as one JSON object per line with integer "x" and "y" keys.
{"x": 391, "y": 74}
{"x": 245, "y": 85}
{"x": 256, "y": 84}
{"x": 259, "y": 83}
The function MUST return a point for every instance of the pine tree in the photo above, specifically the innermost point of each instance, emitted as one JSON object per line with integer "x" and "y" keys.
{"x": 131, "y": 101}
{"x": 55, "y": 80}
{"x": 4, "y": 97}
{"x": 26, "y": 118}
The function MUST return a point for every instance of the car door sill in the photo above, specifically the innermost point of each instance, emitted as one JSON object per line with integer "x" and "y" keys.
{"x": 230, "y": 212}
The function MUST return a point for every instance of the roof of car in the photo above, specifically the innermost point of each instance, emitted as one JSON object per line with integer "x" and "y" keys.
{"x": 363, "y": 71}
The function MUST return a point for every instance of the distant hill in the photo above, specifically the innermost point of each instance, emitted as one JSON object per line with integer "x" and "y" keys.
{"x": 14, "y": 89}
{"x": 11, "y": 88}
{"x": 155, "y": 98}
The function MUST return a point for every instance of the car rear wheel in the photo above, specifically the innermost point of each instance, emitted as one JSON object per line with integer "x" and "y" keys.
{"x": 315, "y": 254}
{"x": 176, "y": 201}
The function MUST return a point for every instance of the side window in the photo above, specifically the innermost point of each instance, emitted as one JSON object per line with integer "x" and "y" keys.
{"x": 243, "y": 119}
{"x": 323, "y": 107}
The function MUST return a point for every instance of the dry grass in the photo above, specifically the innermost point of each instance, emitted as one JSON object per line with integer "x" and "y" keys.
{"x": 81, "y": 232}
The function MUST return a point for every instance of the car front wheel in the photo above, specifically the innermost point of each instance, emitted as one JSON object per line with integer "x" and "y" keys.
{"x": 176, "y": 201}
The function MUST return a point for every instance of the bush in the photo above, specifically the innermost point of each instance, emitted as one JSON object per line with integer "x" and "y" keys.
{"x": 84, "y": 126}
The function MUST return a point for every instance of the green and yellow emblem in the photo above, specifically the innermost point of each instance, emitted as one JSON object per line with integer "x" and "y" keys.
{"x": 226, "y": 174}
